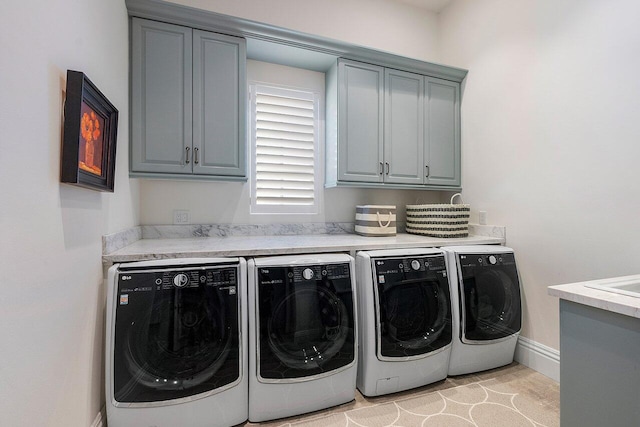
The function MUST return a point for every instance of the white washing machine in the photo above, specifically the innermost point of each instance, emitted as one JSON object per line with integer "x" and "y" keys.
{"x": 303, "y": 336}
{"x": 405, "y": 327}
{"x": 486, "y": 307}
{"x": 176, "y": 343}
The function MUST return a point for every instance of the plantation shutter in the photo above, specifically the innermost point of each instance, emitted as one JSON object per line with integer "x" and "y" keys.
{"x": 285, "y": 149}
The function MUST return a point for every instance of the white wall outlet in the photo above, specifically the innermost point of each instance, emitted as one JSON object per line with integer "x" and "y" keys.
{"x": 181, "y": 217}
{"x": 482, "y": 217}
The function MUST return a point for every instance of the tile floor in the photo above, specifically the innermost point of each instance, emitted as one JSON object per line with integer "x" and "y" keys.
{"x": 540, "y": 393}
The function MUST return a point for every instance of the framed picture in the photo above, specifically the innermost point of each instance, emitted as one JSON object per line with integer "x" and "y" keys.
{"x": 89, "y": 141}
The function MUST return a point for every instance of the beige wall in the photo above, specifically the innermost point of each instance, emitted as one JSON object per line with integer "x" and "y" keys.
{"x": 551, "y": 136}
{"x": 52, "y": 295}
{"x": 380, "y": 24}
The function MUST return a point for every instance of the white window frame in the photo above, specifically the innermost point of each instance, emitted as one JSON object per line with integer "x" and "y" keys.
{"x": 284, "y": 91}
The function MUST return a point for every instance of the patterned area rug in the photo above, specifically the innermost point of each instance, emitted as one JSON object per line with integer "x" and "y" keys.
{"x": 482, "y": 404}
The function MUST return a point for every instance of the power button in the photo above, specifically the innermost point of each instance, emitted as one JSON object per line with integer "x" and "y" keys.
{"x": 307, "y": 273}
{"x": 180, "y": 280}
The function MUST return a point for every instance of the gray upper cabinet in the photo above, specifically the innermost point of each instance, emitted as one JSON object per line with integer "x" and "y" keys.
{"x": 219, "y": 112}
{"x": 161, "y": 90}
{"x": 391, "y": 128}
{"x": 360, "y": 121}
{"x": 188, "y": 108}
{"x": 403, "y": 128}
{"x": 442, "y": 132}
{"x": 391, "y": 121}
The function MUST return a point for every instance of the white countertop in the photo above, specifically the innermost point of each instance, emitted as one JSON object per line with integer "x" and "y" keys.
{"x": 610, "y": 301}
{"x": 147, "y": 249}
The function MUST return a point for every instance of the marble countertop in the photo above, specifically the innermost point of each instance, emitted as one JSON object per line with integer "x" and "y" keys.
{"x": 610, "y": 301}
{"x": 146, "y": 249}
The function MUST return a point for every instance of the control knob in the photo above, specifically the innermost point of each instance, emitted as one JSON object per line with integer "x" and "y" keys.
{"x": 307, "y": 273}
{"x": 180, "y": 280}
{"x": 415, "y": 264}
{"x": 492, "y": 260}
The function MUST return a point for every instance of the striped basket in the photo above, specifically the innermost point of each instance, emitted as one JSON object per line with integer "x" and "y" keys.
{"x": 375, "y": 220}
{"x": 439, "y": 220}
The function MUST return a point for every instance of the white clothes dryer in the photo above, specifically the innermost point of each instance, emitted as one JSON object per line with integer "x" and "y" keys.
{"x": 176, "y": 343}
{"x": 404, "y": 319}
{"x": 486, "y": 307}
{"x": 303, "y": 334}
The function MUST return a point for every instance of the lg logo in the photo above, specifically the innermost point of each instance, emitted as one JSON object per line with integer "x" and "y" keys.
{"x": 126, "y": 277}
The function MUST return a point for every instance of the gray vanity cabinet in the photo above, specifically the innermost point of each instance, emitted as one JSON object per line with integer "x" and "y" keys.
{"x": 391, "y": 128}
{"x": 188, "y": 102}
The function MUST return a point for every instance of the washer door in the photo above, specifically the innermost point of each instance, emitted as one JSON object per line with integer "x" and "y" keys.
{"x": 176, "y": 334}
{"x": 413, "y": 306}
{"x": 306, "y": 325}
{"x": 490, "y": 297}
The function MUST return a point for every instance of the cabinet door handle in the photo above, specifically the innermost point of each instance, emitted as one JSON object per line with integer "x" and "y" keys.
{"x": 387, "y": 164}
{"x": 381, "y": 168}
{"x": 186, "y": 161}
{"x": 195, "y": 155}
{"x": 427, "y": 175}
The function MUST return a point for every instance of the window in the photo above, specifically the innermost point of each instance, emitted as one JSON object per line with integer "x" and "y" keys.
{"x": 284, "y": 136}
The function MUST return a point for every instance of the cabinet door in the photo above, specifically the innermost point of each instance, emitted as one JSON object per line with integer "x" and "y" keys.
{"x": 161, "y": 122}
{"x": 219, "y": 104}
{"x": 403, "y": 128}
{"x": 360, "y": 121}
{"x": 442, "y": 132}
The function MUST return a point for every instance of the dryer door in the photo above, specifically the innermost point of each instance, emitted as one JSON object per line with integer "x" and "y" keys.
{"x": 176, "y": 333}
{"x": 305, "y": 321}
{"x": 413, "y": 306}
{"x": 490, "y": 296}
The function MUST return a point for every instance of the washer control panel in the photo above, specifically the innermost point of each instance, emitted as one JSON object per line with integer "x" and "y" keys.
{"x": 486, "y": 260}
{"x": 416, "y": 266}
{"x": 302, "y": 274}
{"x": 161, "y": 280}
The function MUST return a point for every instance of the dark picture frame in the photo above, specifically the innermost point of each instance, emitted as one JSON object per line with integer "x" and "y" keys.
{"x": 90, "y": 131}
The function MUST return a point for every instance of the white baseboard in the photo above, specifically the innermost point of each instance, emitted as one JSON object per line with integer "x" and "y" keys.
{"x": 538, "y": 357}
{"x": 101, "y": 419}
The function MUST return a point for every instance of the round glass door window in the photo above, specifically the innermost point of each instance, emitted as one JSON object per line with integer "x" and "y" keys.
{"x": 306, "y": 325}
{"x": 491, "y": 296}
{"x": 175, "y": 338}
{"x": 321, "y": 327}
{"x": 413, "y": 306}
{"x": 180, "y": 343}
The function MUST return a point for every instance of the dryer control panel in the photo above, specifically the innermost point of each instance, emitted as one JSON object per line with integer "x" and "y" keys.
{"x": 302, "y": 274}
{"x": 413, "y": 266}
{"x": 487, "y": 260}
{"x": 163, "y": 280}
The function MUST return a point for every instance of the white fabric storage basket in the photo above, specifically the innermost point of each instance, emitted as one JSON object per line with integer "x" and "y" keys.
{"x": 439, "y": 220}
{"x": 376, "y": 220}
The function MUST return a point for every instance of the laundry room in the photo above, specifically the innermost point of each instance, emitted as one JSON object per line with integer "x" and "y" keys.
{"x": 535, "y": 100}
